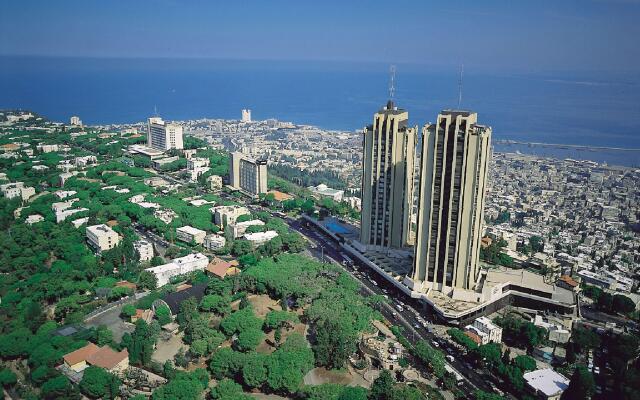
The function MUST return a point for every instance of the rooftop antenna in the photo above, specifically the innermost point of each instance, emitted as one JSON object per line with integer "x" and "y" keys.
{"x": 155, "y": 110}
{"x": 460, "y": 85}
{"x": 392, "y": 82}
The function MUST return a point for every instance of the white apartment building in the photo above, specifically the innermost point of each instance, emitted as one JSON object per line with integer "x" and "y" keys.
{"x": 239, "y": 228}
{"x": 102, "y": 238}
{"x": 17, "y": 189}
{"x": 75, "y": 120}
{"x": 61, "y": 215}
{"x": 227, "y": 215}
{"x": 190, "y": 234}
{"x": 260, "y": 238}
{"x": 144, "y": 250}
{"x": 63, "y": 194}
{"x": 215, "y": 182}
{"x": 179, "y": 266}
{"x": 33, "y": 219}
{"x": 486, "y": 330}
{"x": 164, "y": 136}
{"x": 48, "y": 148}
{"x": 214, "y": 242}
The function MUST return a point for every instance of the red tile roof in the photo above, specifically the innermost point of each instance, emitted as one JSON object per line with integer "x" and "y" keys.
{"x": 81, "y": 354}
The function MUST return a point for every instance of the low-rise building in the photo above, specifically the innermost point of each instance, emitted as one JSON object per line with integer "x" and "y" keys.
{"x": 486, "y": 330}
{"x": 61, "y": 215}
{"x": 323, "y": 191}
{"x": 546, "y": 383}
{"x": 222, "y": 268}
{"x": 102, "y": 357}
{"x": 17, "y": 189}
{"x": 239, "y": 228}
{"x": 595, "y": 279}
{"x": 166, "y": 215}
{"x": 33, "y": 219}
{"x": 190, "y": 234}
{"x": 259, "y": 238}
{"x": 144, "y": 250}
{"x": 179, "y": 266}
{"x": 215, "y": 182}
{"x": 102, "y": 238}
{"x": 63, "y": 194}
{"x": 214, "y": 241}
{"x": 226, "y": 215}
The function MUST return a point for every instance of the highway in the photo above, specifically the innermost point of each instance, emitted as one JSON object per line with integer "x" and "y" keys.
{"x": 408, "y": 318}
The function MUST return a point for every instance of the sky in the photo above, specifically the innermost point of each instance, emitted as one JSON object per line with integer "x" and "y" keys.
{"x": 541, "y": 35}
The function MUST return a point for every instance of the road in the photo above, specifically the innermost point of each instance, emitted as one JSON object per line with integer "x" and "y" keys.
{"x": 408, "y": 317}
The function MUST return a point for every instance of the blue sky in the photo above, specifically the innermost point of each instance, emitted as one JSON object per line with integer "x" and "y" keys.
{"x": 584, "y": 35}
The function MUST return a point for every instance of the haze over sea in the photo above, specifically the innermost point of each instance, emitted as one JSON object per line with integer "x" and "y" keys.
{"x": 590, "y": 110}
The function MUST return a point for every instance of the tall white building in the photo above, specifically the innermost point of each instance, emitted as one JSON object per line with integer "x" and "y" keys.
{"x": 455, "y": 158}
{"x": 76, "y": 121}
{"x": 164, "y": 136}
{"x": 387, "y": 180}
{"x": 246, "y": 115}
{"x": 248, "y": 174}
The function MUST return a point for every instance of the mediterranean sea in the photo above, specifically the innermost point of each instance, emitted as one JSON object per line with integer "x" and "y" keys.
{"x": 580, "y": 109}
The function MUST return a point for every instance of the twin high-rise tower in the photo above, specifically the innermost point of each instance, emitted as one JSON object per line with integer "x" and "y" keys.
{"x": 387, "y": 179}
{"x": 454, "y": 162}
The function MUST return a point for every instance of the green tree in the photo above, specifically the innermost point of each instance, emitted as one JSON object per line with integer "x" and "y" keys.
{"x": 98, "y": 383}
{"x": 581, "y": 385}
{"x": 249, "y": 339}
{"x": 335, "y": 341}
{"x": 254, "y": 370}
{"x": 226, "y": 362}
{"x": 103, "y": 335}
{"x": 623, "y": 304}
{"x": 227, "y": 389}
{"x": 58, "y": 388}
{"x": 217, "y": 304}
{"x": 382, "y": 387}
{"x": 128, "y": 310}
{"x": 7, "y": 377}
{"x": 525, "y": 363}
{"x": 163, "y": 314}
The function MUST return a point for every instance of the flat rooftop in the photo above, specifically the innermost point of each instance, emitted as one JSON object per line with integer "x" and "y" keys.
{"x": 521, "y": 277}
{"x": 397, "y": 265}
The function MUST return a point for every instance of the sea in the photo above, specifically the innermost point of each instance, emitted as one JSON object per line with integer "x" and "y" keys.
{"x": 587, "y": 109}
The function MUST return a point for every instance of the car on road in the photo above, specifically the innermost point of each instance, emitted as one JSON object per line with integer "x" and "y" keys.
{"x": 399, "y": 308}
{"x": 435, "y": 344}
{"x": 450, "y": 358}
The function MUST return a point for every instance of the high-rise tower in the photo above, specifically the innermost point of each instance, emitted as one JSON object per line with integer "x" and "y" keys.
{"x": 387, "y": 180}
{"x": 164, "y": 136}
{"x": 455, "y": 158}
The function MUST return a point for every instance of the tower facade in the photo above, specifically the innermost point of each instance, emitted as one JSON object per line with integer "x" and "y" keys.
{"x": 455, "y": 159}
{"x": 164, "y": 136}
{"x": 248, "y": 174}
{"x": 387, "y": 180}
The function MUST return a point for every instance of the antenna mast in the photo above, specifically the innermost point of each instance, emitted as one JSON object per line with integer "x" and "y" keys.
{"x": 460, "y": 85}
{"x": 392, "y": 82}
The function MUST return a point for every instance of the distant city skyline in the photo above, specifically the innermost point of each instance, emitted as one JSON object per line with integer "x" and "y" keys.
{"x": 527, "y": 36}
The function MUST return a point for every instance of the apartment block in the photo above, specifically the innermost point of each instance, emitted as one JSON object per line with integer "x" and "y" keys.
{"x": 101, "y": 237}
{"x": 190, "y": 234}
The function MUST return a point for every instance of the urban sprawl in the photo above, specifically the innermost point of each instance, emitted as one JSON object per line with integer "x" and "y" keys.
{"x": 232, "y": 259}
